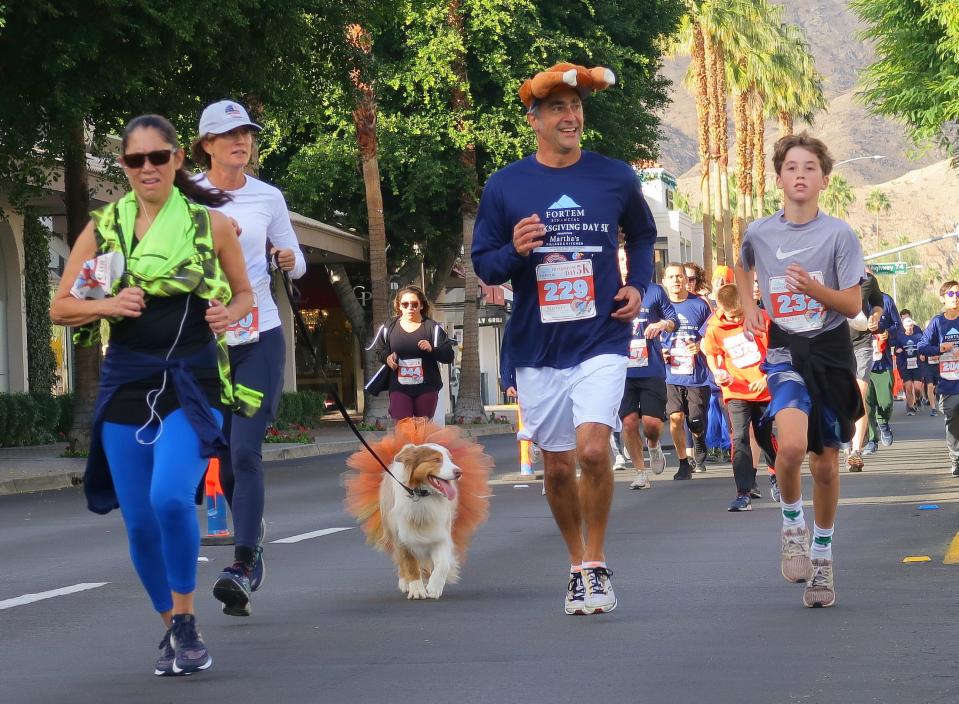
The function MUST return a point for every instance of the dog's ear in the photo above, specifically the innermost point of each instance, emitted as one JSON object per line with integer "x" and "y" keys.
{"x": 406, "y": 453}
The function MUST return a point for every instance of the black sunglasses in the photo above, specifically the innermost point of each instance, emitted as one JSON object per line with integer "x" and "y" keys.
{"x": 409, "y": 304}
{"x": 157, "y": 158}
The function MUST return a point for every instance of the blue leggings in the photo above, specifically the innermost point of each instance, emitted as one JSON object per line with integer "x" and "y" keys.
{"x": 259, "y": 366}
{"x": 156, "y": 485}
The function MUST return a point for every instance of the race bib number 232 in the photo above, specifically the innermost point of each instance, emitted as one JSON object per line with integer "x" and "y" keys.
{"x": 793, "y": 311}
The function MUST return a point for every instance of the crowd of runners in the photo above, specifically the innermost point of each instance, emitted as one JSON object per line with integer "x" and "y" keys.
{"x": 789, "y": 355}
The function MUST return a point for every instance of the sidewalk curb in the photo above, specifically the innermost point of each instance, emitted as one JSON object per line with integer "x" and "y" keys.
{"x": 315, "y": 449}
{"x": 69, "y": 477}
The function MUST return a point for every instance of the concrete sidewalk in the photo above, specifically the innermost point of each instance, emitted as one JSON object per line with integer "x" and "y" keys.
{"x": 25, "y": 470}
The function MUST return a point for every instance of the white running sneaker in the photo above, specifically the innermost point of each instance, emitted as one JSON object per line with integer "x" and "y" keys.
{"x": 575, "y": 595}
{"x": 619, "y": 462}
{"x": 657, "y": 459}
{"x": 820, "y": 590}
{"x": 796, "y": 566}
{"x": 641, "y": 481}
{"x": 600, "y": 597}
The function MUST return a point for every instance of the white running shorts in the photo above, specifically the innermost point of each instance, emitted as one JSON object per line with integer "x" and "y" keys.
{"x": 554, "y": 402}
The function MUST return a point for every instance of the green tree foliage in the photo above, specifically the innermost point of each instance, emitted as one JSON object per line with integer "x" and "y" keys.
{"x": 41, "y": 364}
{"x": 916, "y": 76}
{"x": 421, "y": 140}
{"x": 837, "y": 197}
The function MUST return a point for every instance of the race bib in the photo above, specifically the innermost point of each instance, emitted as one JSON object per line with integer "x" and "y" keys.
{"x": 680, "y": 360}
{"x": 741, "y": 351}
{"x": 410, "y": 371}
{"x": 933, "y": 360}
{"x": 638, "y": 353}
{"x": 876, "y": 350}
{"x": 912, "y": 362}
{"x": 566, "y": 291}
{"x": 949, "y": 365}
{"x": 246, "y": 329}
{"x": 795, "y": 312}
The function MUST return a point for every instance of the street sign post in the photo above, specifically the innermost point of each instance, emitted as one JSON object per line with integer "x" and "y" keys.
{"x": 890, "y": 268}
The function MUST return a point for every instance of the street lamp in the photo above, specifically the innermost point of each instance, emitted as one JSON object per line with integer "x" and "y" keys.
{"x": 846, "y": 161}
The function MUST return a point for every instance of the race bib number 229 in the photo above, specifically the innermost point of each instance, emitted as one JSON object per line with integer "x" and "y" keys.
{"x": 566, "y": 291}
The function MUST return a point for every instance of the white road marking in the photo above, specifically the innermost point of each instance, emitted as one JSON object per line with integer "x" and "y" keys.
{"x": 311, "y": 534}
{"x": 63, "y": 591}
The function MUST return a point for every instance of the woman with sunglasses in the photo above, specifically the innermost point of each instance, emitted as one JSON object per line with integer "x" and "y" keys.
{"x": 165, "y": 381}
{"x": 410, "y": 346}
{"x": 257, "y": 346}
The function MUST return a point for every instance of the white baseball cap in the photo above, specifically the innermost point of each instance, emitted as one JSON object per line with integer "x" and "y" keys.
{"x": 224, "y": 116}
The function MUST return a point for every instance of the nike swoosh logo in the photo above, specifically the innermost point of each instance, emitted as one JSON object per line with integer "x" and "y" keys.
{"x": 780, "y": 254}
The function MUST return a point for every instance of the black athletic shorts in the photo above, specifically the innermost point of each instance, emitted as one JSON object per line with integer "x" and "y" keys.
{"x": 646, "y": 396}
{"x": 910, "y": 374}
{"x": 693, "y": 401}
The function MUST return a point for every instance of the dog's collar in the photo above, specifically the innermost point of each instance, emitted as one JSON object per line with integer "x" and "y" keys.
{"x": 419, "y": 493}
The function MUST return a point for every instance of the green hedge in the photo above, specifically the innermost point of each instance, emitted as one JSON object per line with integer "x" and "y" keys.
{"x": 301, "y": 408}
{"x": 33, "y": 419}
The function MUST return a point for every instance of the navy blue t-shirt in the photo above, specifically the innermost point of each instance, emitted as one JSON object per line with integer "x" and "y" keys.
{"x": 683, "y": 370}
{"x": 563, "y": 291}
{"x": 909, "y": 344}
{"x": 940, "y": 330}
{"x": 889, "y": 322}
{"x": 656, "y": 307}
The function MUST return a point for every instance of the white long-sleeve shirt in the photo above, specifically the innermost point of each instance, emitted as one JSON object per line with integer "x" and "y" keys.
{"x": 262, "y": 213}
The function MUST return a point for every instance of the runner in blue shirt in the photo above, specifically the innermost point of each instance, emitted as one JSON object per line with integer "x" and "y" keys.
{"x": 549, "y": 223}
{"x": 907, "y": 360}
{"x": 941, "y": 339}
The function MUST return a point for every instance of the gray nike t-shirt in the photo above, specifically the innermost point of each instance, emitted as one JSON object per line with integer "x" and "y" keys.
{"x": 825, "y": 246}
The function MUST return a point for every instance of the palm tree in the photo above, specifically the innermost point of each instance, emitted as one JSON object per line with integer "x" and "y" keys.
{"x": 796, "y": 89}
{"x": 469, "y": 401}
{"x": 878, "y": 203}
{"x": 364, "y": 118}
{"x": 837, "y": 197}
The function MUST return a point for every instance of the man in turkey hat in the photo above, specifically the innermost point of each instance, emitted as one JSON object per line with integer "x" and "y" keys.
{"x": 549, "y": 223}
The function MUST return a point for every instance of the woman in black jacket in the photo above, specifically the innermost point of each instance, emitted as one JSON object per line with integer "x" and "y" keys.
{"x": 410, "y": 346}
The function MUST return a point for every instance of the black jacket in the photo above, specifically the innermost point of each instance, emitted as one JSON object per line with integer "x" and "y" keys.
{"x": 827, "y": 365}
{"x": 442, "y": 352}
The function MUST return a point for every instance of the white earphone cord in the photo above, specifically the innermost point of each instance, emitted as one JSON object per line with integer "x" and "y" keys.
{"x": 154, "y": 394}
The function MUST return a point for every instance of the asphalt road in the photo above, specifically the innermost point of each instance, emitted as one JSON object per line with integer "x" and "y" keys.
{"x": 704, "y": 615}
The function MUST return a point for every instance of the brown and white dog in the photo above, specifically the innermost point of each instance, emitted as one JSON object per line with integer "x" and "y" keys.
{"x": 420, "y": 528}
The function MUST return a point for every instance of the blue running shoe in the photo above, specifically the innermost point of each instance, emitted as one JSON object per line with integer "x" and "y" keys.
{"x": 933, "y": 413}
{"x": 191, "y": 654}
{"x": 258, "y": 573}
{"x": 742, "y": 502}
{"x": 870, "y": 448}
{"x": 885, "y": 434}
{"x": 233, "y": 589}
{"x": 164, "y": 663}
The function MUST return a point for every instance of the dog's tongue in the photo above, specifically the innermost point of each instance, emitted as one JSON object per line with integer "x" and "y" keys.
{"x": 448, "y": 489}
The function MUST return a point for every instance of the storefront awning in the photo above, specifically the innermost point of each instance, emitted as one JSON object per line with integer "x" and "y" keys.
{"x": 328, "y": 244}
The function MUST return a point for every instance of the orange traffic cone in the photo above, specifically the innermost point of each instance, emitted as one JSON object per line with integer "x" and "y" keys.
{"x": 217, "y": 523}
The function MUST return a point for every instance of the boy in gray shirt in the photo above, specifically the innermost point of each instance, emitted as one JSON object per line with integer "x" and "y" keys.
{"x": 809, "y": 266}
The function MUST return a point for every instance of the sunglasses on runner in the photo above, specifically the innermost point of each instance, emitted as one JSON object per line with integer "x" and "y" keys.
{"x": 157, "y": 158}
{"x": 950, "y": 294}
{"x": 409, "y": 304}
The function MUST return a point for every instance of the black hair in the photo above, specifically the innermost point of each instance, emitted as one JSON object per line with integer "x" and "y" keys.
{"x": 210, "y": 197}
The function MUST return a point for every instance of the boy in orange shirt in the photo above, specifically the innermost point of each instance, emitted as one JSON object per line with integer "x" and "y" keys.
{"x": 734, "y": 356}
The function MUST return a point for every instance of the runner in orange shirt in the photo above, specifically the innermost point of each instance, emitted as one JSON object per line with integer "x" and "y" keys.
{"x": 735, "y": 356}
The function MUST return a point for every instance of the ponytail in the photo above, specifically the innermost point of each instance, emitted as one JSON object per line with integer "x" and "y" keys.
{"x": 210, "y": 197}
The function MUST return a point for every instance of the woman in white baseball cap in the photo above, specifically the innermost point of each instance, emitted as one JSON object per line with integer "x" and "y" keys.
{"x": 224, "y": 149}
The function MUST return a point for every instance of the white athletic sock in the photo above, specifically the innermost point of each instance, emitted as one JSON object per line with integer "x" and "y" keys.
{"x": 821, "y": 548}
{"x": 793, "y": 515}
{"x": 573, "y": 569}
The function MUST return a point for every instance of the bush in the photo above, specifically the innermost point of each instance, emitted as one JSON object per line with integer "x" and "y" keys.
{"x": 66, "y": 414}
{"x": 48, "y": 416}
{"x": 290, "y": 410}
{"x": 314, "y": 405}
{"x": 28, "y": 415}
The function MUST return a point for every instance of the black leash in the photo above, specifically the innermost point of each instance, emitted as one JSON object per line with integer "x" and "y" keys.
{"x": 337, "y": 401}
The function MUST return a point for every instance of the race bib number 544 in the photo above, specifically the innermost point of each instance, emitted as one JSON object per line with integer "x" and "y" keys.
{"x": 566, "y": 291}
{"x": 792, "y": 311}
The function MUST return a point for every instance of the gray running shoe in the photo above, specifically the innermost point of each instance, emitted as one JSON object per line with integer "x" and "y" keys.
{"x": 575, "y": 595}
{"x": 820, "y": 591}
{"x": 641, "y": 481}
{"x": 619, "y": 462}
{"x": 795, "y": 554}
{"x": 657, "y": 459}
{"x": 600, "y": 597}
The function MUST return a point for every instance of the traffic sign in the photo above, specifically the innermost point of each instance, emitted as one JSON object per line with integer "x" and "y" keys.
{"x": 891, "y": 268}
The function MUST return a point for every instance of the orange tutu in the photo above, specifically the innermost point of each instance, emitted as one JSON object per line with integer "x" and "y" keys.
{"x": 363, "y": 484}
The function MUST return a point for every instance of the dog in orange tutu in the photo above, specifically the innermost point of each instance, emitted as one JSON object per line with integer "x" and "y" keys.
{"x": 426, "y": 534}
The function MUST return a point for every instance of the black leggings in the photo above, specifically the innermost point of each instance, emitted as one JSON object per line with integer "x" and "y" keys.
{"x": 742, "y": 414}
